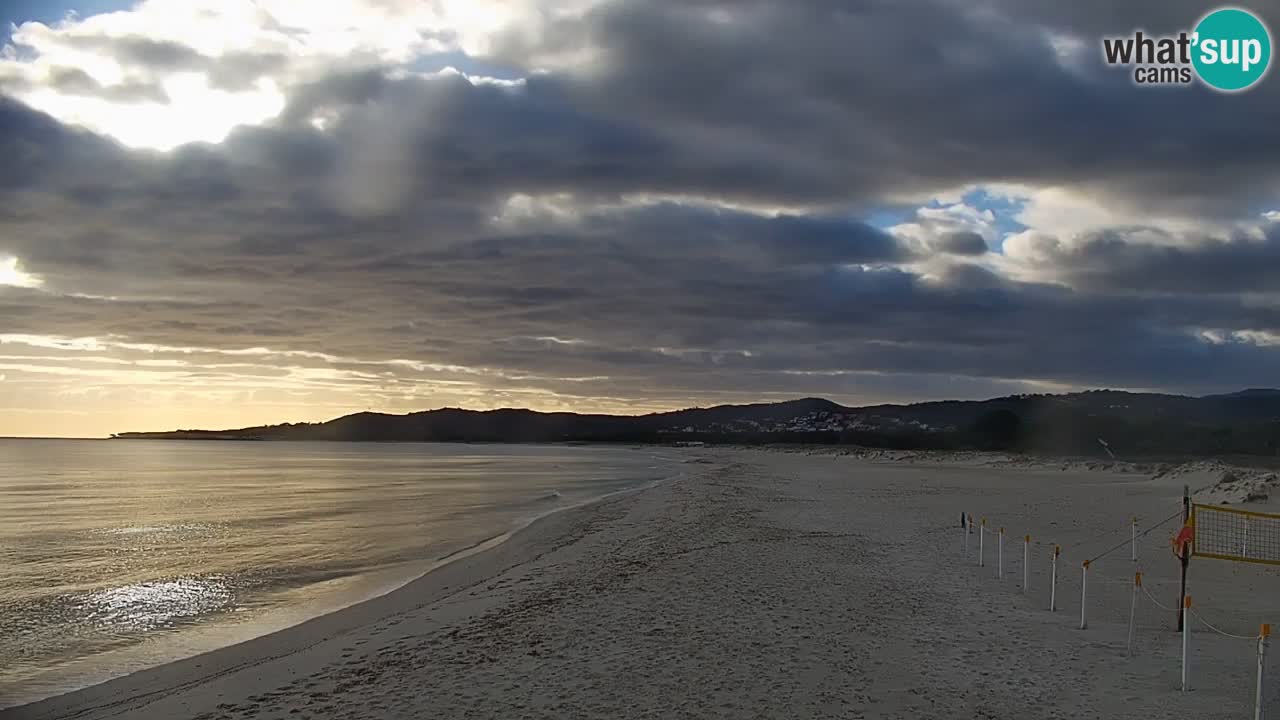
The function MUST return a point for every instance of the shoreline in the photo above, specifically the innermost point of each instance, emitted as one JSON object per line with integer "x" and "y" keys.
{"x": 768, "y": 585}
{"x": 255, "y": 650}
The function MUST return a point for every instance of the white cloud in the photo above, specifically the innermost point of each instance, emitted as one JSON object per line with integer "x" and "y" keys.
{"x": 12, "y": 274}
{"x": 1073, "y": 52}
{"x": 932, "y": 224}
{"x": 195, "y": 112}
{"x": 224, "y": 63}
{"x": 1071, "y": 212}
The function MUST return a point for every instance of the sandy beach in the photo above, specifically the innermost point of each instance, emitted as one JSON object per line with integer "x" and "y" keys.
{"x": 770, "y": 585}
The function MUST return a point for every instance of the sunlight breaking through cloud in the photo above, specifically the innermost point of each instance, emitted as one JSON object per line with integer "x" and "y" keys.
{"x": 12, "y": 274}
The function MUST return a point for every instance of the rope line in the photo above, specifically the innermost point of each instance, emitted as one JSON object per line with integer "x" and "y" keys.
{"x": 1157, "y": 603}
{"x": 1128, "y": 524}
{"x": 983, "y": 530}
{"x": 1141, "y": 534}
{"x": 1197, "y": 616}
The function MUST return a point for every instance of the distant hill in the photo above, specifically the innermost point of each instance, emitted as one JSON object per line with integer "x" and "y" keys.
{"x": 1132, "y": 424}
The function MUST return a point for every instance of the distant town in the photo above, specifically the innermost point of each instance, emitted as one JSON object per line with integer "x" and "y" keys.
{"x": 815, "y": 421}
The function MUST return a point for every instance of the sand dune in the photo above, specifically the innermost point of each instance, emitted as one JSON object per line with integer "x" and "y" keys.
{"x": 772, "y": 585}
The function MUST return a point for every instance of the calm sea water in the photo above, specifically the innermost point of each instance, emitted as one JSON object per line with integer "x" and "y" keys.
{"x": 121, "y": 555}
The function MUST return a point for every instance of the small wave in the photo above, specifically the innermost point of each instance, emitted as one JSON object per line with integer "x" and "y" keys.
{"x": 187, "y": 528}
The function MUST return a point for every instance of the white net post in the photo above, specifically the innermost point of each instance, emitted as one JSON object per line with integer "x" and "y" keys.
{"x": 1133, "y": 610}
{"x": 1186, "y": 643}
{"x": 1000, "y": 555}
{"x": 1244, "y": 540}
{"x": 1133, "y": 546}
{"x": 982, "y": 537}
{"x": 1084, "y": 589}
{"x": 1026, "y": 562}
{"x": 1053, "y": 581}
{"x": 1264, "y": 634}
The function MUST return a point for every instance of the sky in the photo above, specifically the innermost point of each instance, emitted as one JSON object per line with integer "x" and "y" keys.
{"x": 222, "y": 213}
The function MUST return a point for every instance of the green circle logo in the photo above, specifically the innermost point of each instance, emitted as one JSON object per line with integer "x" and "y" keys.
{"x": 1231, "y": 49}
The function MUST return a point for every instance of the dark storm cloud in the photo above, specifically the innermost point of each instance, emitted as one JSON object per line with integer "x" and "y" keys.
{"x": 568, "y": 228}
{"x": 880, "y": 99}
{"x": 680, "y": 102}
{"x": 781, "y": 240}
{"x": 658, "y": 296}
{"x": 338, "y": 89}
{"x": 446, "y": 135}
{"x": 1117, "y": 18}
{"x": 871, "y": 98}
{"x": 44, "y": 157}
{"x": 962, "y": 243}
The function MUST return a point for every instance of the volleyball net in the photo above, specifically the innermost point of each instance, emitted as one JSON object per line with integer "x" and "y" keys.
{"x": 1238, "y": 535}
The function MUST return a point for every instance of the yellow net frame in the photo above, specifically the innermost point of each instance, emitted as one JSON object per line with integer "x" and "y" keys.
{"x": 1237, "y": 535}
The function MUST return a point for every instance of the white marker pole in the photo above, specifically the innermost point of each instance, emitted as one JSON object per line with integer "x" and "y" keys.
{"x": 1133, "y": 608}
{"x": 1134, "y": 551}
{"x": 1026, "y": 564}
{"x": 1000, "y": 556}
{"x": 1186, "y": 643}
{"x": 1084, "y": 587}
{"x": 1053, "y": 581}
{"x": 982, "y": 536}
{"x": 965, "y": 526}
{"x": 1263, "y": 634}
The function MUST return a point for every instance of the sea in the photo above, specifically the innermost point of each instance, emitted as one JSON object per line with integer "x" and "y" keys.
{"x": 118, "y": 555}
